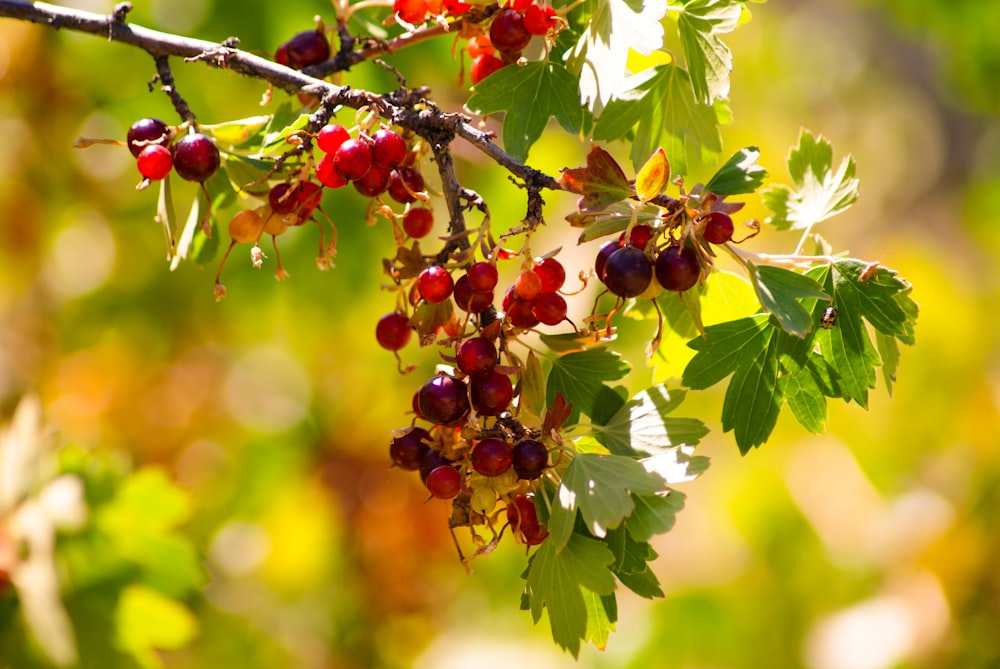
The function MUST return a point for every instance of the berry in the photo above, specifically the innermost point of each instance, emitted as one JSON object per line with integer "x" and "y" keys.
{"x": 456, "y": 7}
{"x": 352, "y": 159}
{"x": 196, "y": 157}
{"x": 476, "y": 355}
{"x": 282, "y": 199}
{"x": 492, "y": 457}
{"x": 327, "y": 175}
{"x": 393, "y": 331}
{"x": 549, "y": 308}
{"x": 403, "y": 183}
{"x": 483, "y": 276}
{"x": 374, "y": 182}
{"x": 307, "y": 48}
{"x": 479, "y": 45}
{"x": 483, "y": 500}
{"x": 540, "y": 19}
{"x": 520, "y": 315}
{"x": 483, "y": 66}
{"x": 331, "y": 136}
{"x": 430, "y": 461}
{"x": 519, "y": 5}
{"x": 418, "y": 221}
{"x": 435, "y": 284}
{"x": 245, "y": 226}
{"x": 388, "y": 148}
{"x": 677, "y": 267}
{"x": 145, "y": 132}
{"x": 281, "y": 55}
{"x": 491, "y": 393}
{"x": 628, "y": 272}
{"x": 309, "y": 196}
{"x": 552, "y": 273}
{"x": 602, "y": 257}
{"x": 444, "y": 482}
{"x": 154, "y": 162}
{"x": 507, "y": 32}
{"x": 530, "y": 458}
{"x": 411, "y": 11}
{"x": 639, "y": 237}
{"x": 528, "y": 285}
{"x": 407, "y": 451}
{"x": 523, "y": 519}
{"x": 471, "y": 300}
{"x": 444, "y": 400}
{"x": 718, "y": 228}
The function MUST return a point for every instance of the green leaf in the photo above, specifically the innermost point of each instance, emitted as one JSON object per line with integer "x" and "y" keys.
{"x": 820, "y": 191}
{"x": 805, "y": 398}
{"x": 601, "y": 54}
{"x": 741, "y": 174}
{"x": 631, "y": 565}
{"x": 532, "y": 405}
{"x": 600, "y": 487}
{"x": 780, "y": 290}
{"x": 660, "y": 107}
{"x": 653, "y": 514}
{"x": 555, "y": 581}
{"x": 580, "y": 376}
{"x": 709, "y": 60}
{"x": 529, "y": 95}
{"x": 147, "y": 622}
{"x": 642, "y": 426}
{"x": 720, "y": 352}
{"x": 753, "y": 398}
{"x": 602, "y": 614}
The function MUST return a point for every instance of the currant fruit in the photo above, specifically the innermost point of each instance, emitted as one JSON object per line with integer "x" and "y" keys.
{"x": 520, "y": 315}
{"x": 552, "y": 273}
{"x": 444, "y": 482}
{"x": 549, "y": 308}
{"x": 507, "y": 32}
{"x": 523, "y": 519}
{"x": 492, "y": 457}
{"x": 435, "y": 284}
{"x": 407, "y": 450}
{"x": 327, "y": 175}
{"x": 476, "y": 355}
{"x": 418, "y": 222}
{"x": 282, "y": 198}
{"x": 540, "y": 19}
{"x": 602, "y": 257}
{"x": 404, "y": 182}
{"x": 640, "y": 236}
{"x": 374, "y": 182}
{"x": 444, "y": 400}
{"x": 145, "y": 132}
{"x": 529, "y": 458}
{"x": 719, "y": 228}
{"x": 491, "y": 393}
{"x": 479, "y": 45}
{"x": 483, "y": 276}
{"x": 309, "y": 195}
{"x": 678, "y": 267}
{"x": 393, "y": 331}
{"x": 352, "y": 159}
{"x": 411, "y": 11}
{"x": 154, "y": 162}
{"x": 528, "y": 285}
{"x": 307, "y": 48}
{"x": 470, "y": 300}
{"x": 331, "y": 136}
{"x": 388, "y": 148}
{"x": 628, "y": 272}
{"x": 196, "y": 157}
{"x": 245, "y": 226}
{"x": 483, "y": 66}
{"x": 483, "y": 500}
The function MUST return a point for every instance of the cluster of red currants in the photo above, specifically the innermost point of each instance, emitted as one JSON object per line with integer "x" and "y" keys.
{"x": 194, "y": 156}
{"x": 510, "y": 33}
{"x": 415, "y": 12}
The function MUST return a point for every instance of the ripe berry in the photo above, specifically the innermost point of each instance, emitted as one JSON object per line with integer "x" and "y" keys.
{"x": 430, "y": 461}
{"x": 327, "y": 175}
{"x": 492, "y": 457}
{"x": 628, "y": 272}
{"x": 408, "y": 450}
{"x": 677, "y": 267}
{"x": 507, "y": 32}
{"x": 719, "y": 228}
{"x": 147, "y": 131}
{"x": 520, "y": 315}
{"x": 444, "y": 482}
{"x": 444, "y": 400}
{"x": 352, "y": 159}
{"x": 530, "y": 458}
{"x": 602, "y": 257}
{"x": 435, "y": 284}
{"x": 479, "y": 45}
{"x": 393, "y": 331}
{"x": 476, "y": 355}
{"x": 196, "y": 157}
{"x": 309, "y": 195}
{"x": 374, "y": 182}
{"x": 483, "y": 66}
{"x": 154, "y": 162}
{"x": 491, "y": 393}
{"x": 388, "y": 148}
{"x": 552, "y": 273}
{"x": 307, "y": 48}
{"x": 483, "y": 276}
{"x": 523, "y": 519}
{"x": 540, "y": 19}
{"x": 471, "y": 300}
{"x": 418, "y": 221}
{"x": 528, "y": 285}
{"x": 331, "y": 136}
{"x": 411, "y": 11}
{"x": 403, "y": 183}
{"x": 456, "y": 7}
{"x": 282, "y": 198}
{"x": 640, "y": 236}
{"x": 549, "y": 308}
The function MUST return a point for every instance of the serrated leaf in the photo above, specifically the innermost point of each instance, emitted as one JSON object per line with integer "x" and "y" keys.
{"x": 147, "y": 622}
{"x": 820, "y": 192}
{"x": 600, "y": 487}
{"x": 753, "y": 399}
{"x": 719, "y": 353}
{"x": 805, "y": 398}
{"x": 602, "y": 614}
{"x": 888, "y": 350}
{"x": 699, "y": 23}
{"x": 678, "y": 464}
{"x": 601, "y": 54}
{"x": 529, "y": 95}
{"x": 631, "y": 565}
{"x": 580, "y": 376}
{"x": 642, "y": 426}
{"x": 653, "y": 176}
{"x": 780, "y": 290}
{"x": 653, "y": 514}
{"x": 601, "y": 183}
{"x": 660, "y": 107}
{"x": 741, "y": 174}
{"x": 555, "y": 581}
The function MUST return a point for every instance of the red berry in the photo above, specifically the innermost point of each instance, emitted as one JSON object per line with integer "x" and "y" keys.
{"x": 282, "y": 198}
{"x": 491, "y": 457}
{"x": 327, "y": 175}
{"x": 418, "y": 221}
{"x": 523, "y": 519}
{"x": 196, "y": 157}
{"x": 471, "y": 300}
{"x": 444, "y": 482}
{"x": 154, "y": 162}
{"x": 507, "y": 32}
{"x": 352, "y": 159}
{"x": 281, "y": 55}
{"x": 456, "y": 7}
{"x": 388, "y": 148}
{"x": 549, "y": 308}
{"x": 476, "y": 355}
{"x": 520, "y": 315}
{"x": 309, "y": 196}
{"x": 552, "y": 273}
{"x": 678, "y": 267}
{"x": 540, "y": 19}
{"x": 408, "y": 450}
{"x": 435, "y": 284}
{"x": 639, "y": 237}
{"x": 403, "y": 183}
{"x": 444, "y": 400}
{"x": 719, "y": 228}
{"x": 374, "y": 182}
{"x": 483, "y": 276}
{"x": 479, "y": 45}
{"x": 528, "y": 285}
{"x": 307, "y": 48}
{"x": 411, "y": 11}
{"x": 483, "y": 66}
{"x": 331, "y": 136}
{"x": 393, "y": 331}
{"x": 147, "y": 131}
{"x": 491, "y": 393}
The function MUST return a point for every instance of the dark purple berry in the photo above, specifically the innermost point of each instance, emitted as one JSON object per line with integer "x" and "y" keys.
{"x": 407, "y": 451}
{"x": 491, "y": 393}
{"x": 530, "y": 458}
{"x": 719, "y": 228}
{"x": 196, "y": 157}
{"x": 678, "y": 267}
{"x": 492, "y": 457}
{"x": 477, "y": 355}
{"x": 444, "y": 400}
{"x": 628, "y": 272}
{"x": 147, "y": 131}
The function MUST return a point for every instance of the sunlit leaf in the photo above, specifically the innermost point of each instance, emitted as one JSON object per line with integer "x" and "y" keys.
{"x": 709, "y": 60}
{"x": 580, "y": 376}
{"x": 147, "y": 622}
{"x": 741, "y": 174}
{"x": 780, "y": 292}
{"x": 653, "y": 177}
{"x": 601, "y": 183}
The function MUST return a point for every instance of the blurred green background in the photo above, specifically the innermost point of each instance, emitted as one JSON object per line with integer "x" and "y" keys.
{"x": 874, "y": 546}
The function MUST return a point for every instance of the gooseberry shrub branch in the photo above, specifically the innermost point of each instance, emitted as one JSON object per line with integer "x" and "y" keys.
{"x": 538, "y": 438}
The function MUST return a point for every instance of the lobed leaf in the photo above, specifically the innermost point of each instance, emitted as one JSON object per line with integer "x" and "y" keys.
{"x": 580, "y": 377}
{"x": 741, "y": 174}
{"x": 602, "y": 182}
{"x": 642, "y": 426}
{"x": 709, "y": 60}
{"x": 780, "y": 290}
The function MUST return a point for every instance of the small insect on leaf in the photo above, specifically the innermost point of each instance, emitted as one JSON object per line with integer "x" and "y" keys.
{"x": 829, "y": 318}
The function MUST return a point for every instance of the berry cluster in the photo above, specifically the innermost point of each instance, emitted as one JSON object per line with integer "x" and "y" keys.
{"x": 510, "y": 32}
{"x": 194, "y": 156}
